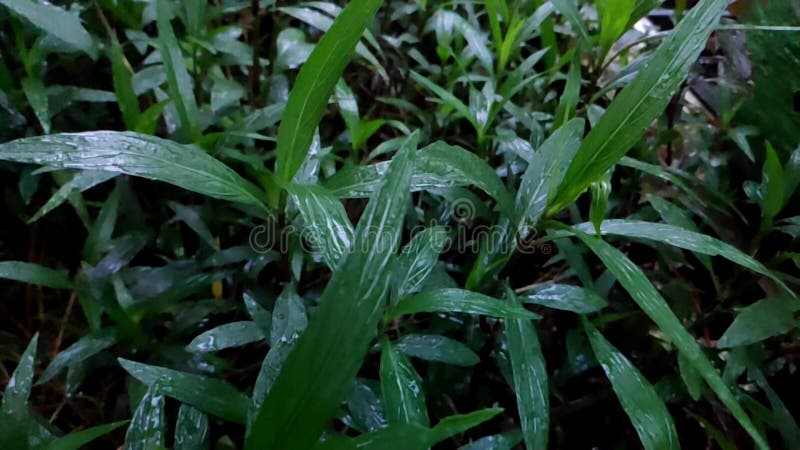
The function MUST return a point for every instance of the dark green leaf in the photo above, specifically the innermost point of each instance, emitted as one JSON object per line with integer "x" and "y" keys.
{"x": 78, "y": 439}
{"x": 53, "y": 20}
{"x": 79, "y": 183}
{"x": 630, "y": 114}
{"x": 209, "y": 395}
{"x": 459, "y": 301}
{"x": 567, "y": 298}
{"x": 191, "y": 429}
{"x": 34, "y": 274}
{"x": 315, "y": 83}
{"x": 234, "y": 334}
{"x": 530, "y": 380}
{"x": 147, "y": 429}
{"x": 326, "y": 224}
{"x": 432, "y": 347}
{"x": 136, "y": 154}
{"x": 18, "y": 389}
{"x": 640, "y": 401}
{"x": 631, "y": 277}
{"x": 418, "y": 259}
{"x": 761, "y": 320}
{"x": 403, "y": 395}
{"x": 83, "y": 348}
{"x": 318, "y": 373}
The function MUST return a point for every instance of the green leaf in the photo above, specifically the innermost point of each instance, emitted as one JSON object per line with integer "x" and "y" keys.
{"x": 78, "y": 439}
{"x": 451, "y": 300}
{"x": 449, "y": 99}
{"x": 191, "y": 429}
{"x": 401, "y": 386}
{"x": 84, "y": 348}
{"x": 761, "y": 320}
{"x": 545, "y": 171}
{"x": 136, "y": 154}
{"x": 212, "y": 396}
{"x": 569, "y": 9}
{"x": 148, "y": 426}
{"x": 634, "y": 109}
{"x": 640, "y": 401}
{"x": 631, "y": 277}
{"x": 18, "y": 389}
{"x": 566, "y": 297}
{"x": 178, "y": 80}
{"x": 35, "y": 93}
{"x": 572, "y": 92}
{"x": 315, "y": 83}
{"x": 123, "y": 86}
{"x": 685, "y": 239}
{"x": 79, "y": 183}
{"x": 601, "y": 191}
{"x": 691, "y": 378}
{"x": 454, "y": 425}
{"x": 234, "y": 334}
{"x": 505, "y": 441}
{"x": 418, "y": 260}
{"x": 34, "y": 274}
{"x": 772, "y": 188}
{"x": 432, "y": 347}
{"x": 319, "y": 372}
{"x": 530, "y": 380}
{"x": 64, "y": 25}
{"x": 615, "y": 16}
{"x": 326, "y": 222}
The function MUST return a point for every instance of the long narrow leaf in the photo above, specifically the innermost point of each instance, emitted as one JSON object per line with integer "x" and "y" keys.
{"x": 632, "y": 111}
{"x": 631, "y": 277}
{"x": 319, "y": 372}
{"x": 136, "y": 154}
{"x": 315, "y": 83}
{"x": 640, "y": 401}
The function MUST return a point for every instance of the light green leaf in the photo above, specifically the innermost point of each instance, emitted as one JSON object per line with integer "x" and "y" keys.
{"x": 432, "y": 347}
{"x": 64, "y": 25}
{"x": 34, "y": 274}
{"x": 318, "y": 373}
{"x": 326, "y": 222}
{"x": 566, "y": 297}
{"x": 631, "y": 277}
{"x": 530, "y": 380}
{"x": 136, "y": 154}
{"x": 315, "y": 83}
{"x": 212, "y": 396}
{"x": 772, "y": 187}
{"x": 401, "y": 386}
{"x": 123, "y": 85}
{"x": 761, "y": 320}
{"x": 615, "y": 16}
{"x": 234, "y": 334}
{"x": 569, "y": 9}
{"x": 640, "y": 401}
{"x": 451, "y": 300}
{"x": 632, "y": 111}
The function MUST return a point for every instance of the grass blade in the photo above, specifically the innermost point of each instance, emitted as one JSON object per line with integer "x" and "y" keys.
{"x": 34, "y": 274}
{"x": 432, "y": 347}
{"x": 318, "y": 373}
{"x": 79, "y": 183}
{"x": 567, "y": 298}
{"x": 148, "y": 427}
{"x": 136, "y": 154}
{"x": 633, "y": 110}
{"x": 234, "y": 334}
{"x": 631, "y": 277}
{"x": 191, "y": 429}
{"x": 315, "y": 83}
{"x": 123, "y": 86}
{"x": 77, "y": 439}
{"x": 640, "y": 401}
{"x": 18, "y": 389}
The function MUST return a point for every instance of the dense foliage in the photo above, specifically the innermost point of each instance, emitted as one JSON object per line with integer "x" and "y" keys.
{"x": 399, "y": 225}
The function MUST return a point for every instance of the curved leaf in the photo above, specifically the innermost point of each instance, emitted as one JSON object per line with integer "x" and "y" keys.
{"x": 401, "y": 386}
{"x": 56, "y": 21}
{"x": 566, "y": 297}
{"x": 136, "y": 154}
{"x": 315, "y": 83}
{"x": 432, "y": 347}
{"x": 451, "y": 300}
{"x": 34, "y": 274}
{"x": 234, "y": 334}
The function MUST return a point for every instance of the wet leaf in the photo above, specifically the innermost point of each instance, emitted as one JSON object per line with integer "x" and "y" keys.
{"x": 433, "y": 347}
{"x": 234, "y": 334}
{"x": 403, "y": 395}
{"x": 640, "y": 401}
{"x": 34, "y": 274}
{"x": 566, "y": 297}
{"x": 459, "y": 301}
